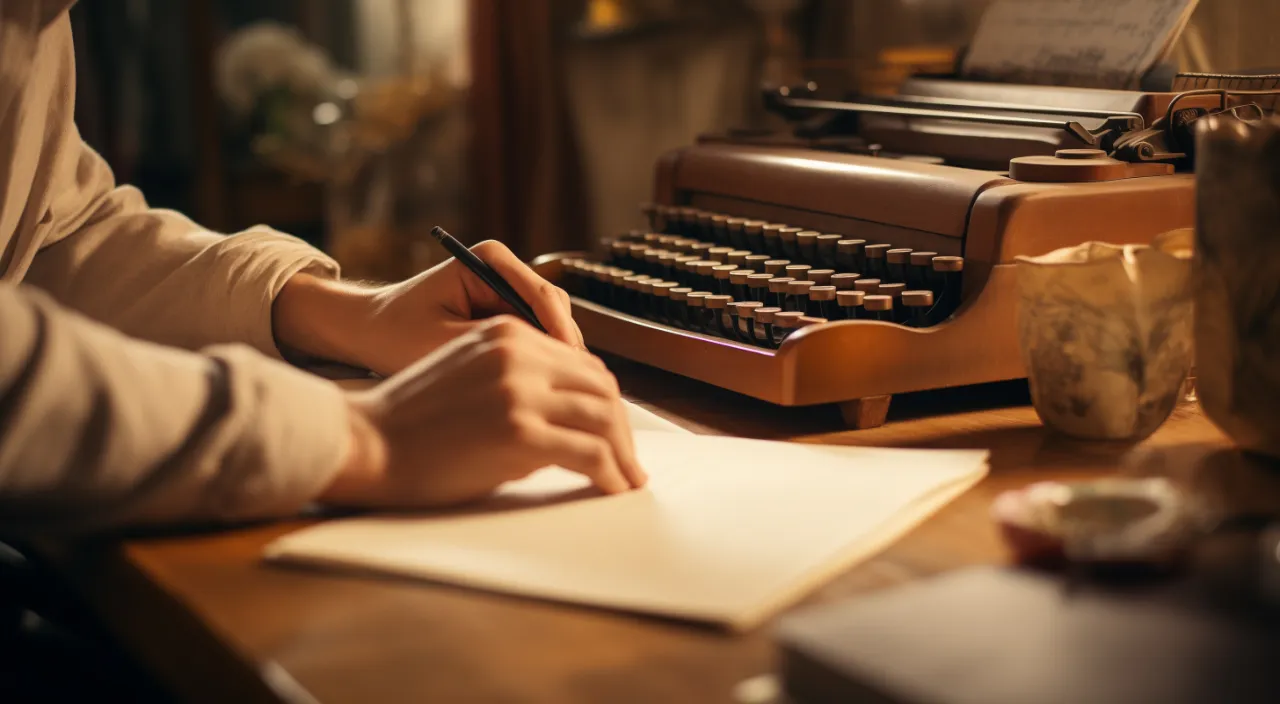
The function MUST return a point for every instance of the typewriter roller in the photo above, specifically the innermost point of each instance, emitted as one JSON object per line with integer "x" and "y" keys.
{"x": 813, "y": 267}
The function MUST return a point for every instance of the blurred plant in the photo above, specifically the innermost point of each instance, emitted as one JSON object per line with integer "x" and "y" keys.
{"x": 308, "y": 117}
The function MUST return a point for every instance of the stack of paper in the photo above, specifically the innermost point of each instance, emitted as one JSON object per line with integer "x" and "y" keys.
{"x": 1083, "y": 43}
{"x": 728, "y": 530}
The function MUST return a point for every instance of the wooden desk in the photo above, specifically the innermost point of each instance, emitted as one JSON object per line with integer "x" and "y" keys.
{"x": 217, "y": 625}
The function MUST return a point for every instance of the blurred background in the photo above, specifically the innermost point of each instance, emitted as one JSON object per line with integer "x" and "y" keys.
{"x": 359, "y": 124}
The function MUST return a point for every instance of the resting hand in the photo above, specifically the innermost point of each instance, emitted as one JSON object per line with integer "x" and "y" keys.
{"x": 495, "y": 404}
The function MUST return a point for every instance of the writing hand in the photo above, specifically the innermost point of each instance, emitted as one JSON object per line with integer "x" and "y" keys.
{"x": 495, "y": 404}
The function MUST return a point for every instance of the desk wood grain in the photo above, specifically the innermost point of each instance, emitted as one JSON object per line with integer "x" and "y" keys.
{"x": 217, "y": 624}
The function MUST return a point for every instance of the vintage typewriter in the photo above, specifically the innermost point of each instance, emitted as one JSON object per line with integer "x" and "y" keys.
{"x": 868, "y": 249}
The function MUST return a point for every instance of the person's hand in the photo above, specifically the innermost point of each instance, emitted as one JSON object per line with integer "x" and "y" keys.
{"x": 493, "y": 405}
{"x": 388, "y": 328}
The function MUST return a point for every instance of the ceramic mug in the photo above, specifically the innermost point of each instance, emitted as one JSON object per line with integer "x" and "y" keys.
{"x": 1106, "y": 335}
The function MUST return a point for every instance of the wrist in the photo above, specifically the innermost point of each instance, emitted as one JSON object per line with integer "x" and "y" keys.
{"x": 321, "y": 318}
{"x": 364, "y": 467}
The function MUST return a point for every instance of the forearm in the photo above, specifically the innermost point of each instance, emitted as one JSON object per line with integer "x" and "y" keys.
{"x": 320, "y": 318}
{"x": 105, "y": 431}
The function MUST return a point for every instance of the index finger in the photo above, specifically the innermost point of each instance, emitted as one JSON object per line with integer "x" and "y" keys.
{"x": 549, "y": 302}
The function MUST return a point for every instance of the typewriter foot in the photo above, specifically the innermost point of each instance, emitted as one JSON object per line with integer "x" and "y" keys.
{"x": 863, "y": 413}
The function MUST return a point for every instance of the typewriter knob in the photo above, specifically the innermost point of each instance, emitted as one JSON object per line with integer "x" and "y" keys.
{"x": 1080, "y": 166}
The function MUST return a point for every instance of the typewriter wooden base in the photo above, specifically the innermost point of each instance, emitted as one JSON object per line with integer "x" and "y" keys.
{"x": 858, "y": 364}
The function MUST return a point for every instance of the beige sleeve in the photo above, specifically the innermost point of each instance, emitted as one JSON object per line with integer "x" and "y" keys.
{"x": 155, "y": 275}
{"x": 100, "y": 431}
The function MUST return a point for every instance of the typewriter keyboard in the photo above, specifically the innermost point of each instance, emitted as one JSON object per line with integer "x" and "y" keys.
{"x": 757, "y": 282}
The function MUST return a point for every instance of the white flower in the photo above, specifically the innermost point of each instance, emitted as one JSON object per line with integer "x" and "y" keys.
{"x": 267, "y": 56}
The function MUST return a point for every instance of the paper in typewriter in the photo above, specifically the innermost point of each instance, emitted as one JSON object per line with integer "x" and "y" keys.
{"x": 1080, "y": 43}
{"x": 728, "y": 531}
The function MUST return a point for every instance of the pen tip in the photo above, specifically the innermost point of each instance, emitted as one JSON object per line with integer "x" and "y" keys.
{"x": 438, "y": 232}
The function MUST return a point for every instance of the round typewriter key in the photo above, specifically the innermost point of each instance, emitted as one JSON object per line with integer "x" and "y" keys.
{"x": 878, "y": 307}
{"x": 778, "y": 291}
{"x": 850, "y": 256}
{"x": 798, "y": 271}
{"x": 617, "y": 252}
{"x": 753, "y": 232}
{"x": 719, "y": 232}
{"x": 755, "y": 261}
{"x": 895, "y": 290}
{"x": 630, "y": 297}
{"x": 788, "y": 242}
{"x": 716, "y": 321}
{"x": 784, "y": 323}
{"x": 758, "y": 287}
{"x": 822, "y": 302}
{"x": 701, "y": 249}
{"x": 822, "y": 277}
{"x": 681, "y": 266}
{"x": 667, "y": 263}
{"x": 920, "y": 269}
{"x": 772, "y": 239}
{"x": 698, "y": 316}
{"x": 703, "y": 274}
{"x": 827, "y": 250}
{"x": 733, "y": 228}
{"x": 617, "y": 296}
{"x": 721, "y": 276}
{"x": 635, "y": 256}
{"x": 891, "y": 289}
{"x": 662, "y": 301}
{"x": 720, "y": 254}
{"x": 850, "y": 304}
{"x": 897, "y": 261}
{"x": 651, "y": 261}
{"x": 651, "y": 238}
{"x": 874, "y": 254}
{"x": 705, "y": 229}
{"x": 678, "y": 297}
{"x": 695, "y": 302}
{"x": 745, "y": 311}
{"x": 762, "y": 326}
{"x": 738, "y": 284}
{"x": 807, "y": 246}
{"x": 632, "y": 235}
{"x": 644, "y": 291}
{"x": 737, "y": 257}
{"x": 687, "y": 219}
{"x": 775, "y": 266}
{"x": 798, "y": 296}
{"x": 844, "y": 282}
{"x": 866, "y": 285}
{"x": 916, "y": 306}
{"x": 598, "y": 285}
{"x": 808, "y": 320}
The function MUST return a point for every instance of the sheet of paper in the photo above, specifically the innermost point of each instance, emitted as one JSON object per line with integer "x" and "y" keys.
{"x": 729, "y": 530}
{"x": 1083, "y": 43}
{"x": 642, "y": 419}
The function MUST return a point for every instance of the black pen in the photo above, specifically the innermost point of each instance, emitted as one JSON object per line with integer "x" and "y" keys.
{"x": 487, "y": 275}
